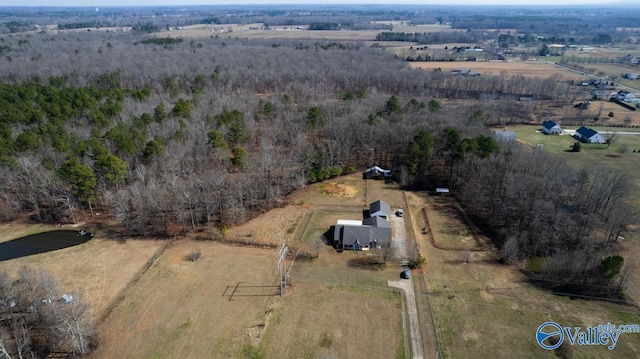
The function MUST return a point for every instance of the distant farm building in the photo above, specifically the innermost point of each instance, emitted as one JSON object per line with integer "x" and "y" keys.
{"x": 466, "y": 72}
{"x": 624, "y": 96}
{"x": 376, "y": 172}
{"x": 631, "y": 76}
{"x": 551, "y": 128}
{"x": 372, "y": 232}
{"x": 589, "y": 135}
{"x": 505, "y": 136}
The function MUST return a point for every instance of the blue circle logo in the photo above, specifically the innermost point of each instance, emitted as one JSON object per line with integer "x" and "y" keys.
{"x": 549, "y": 330}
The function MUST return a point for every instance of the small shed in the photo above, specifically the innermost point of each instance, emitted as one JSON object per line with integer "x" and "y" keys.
{"x": 551, "y": 128}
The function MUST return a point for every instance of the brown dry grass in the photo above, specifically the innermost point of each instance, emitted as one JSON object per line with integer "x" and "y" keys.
{"x": 275, "y": 227}
{"x": 525, "y": 68}
{"x": 486, "y": 309}
{"x": 278, "y": 32}
{"x": 183, "y": 309}
{"x": 100, "y": 268}
{"x": 447, "y": 221}
{"x": 316, "y": 194}
{"x": 338, "y": 190}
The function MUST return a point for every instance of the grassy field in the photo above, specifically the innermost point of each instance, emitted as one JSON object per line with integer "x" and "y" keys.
{"x": 321, "y": 220}
{"x": 525, "y": 68}
{"x": 203, "y": 309}
{"x": 486, "y": 309}
{"x": 591, "y": 154}
{"x": 224, "y": 305}
{"x": 100, "y": 268}
{"x": 452, "y": 230}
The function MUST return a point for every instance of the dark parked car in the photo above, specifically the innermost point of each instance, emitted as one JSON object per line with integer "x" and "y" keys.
{"x": 405, "y": 274}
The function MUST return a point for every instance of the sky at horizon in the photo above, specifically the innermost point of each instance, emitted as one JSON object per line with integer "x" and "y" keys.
{"x": 116, "y": 3}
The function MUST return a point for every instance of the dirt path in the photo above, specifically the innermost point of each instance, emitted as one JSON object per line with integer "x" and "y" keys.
{"x": 412, "y": 313}
{"x": 430, "y": 344}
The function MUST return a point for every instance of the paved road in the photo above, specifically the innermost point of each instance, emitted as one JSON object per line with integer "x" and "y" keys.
{"x": 625, "y": 87}
{"x": 412, "y": 313}
{"x": 573, "y": 132}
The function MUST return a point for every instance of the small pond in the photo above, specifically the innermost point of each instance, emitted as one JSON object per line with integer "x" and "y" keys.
{"x": 41, "y": 243}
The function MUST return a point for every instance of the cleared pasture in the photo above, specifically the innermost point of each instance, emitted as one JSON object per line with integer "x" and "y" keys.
{"x": 486, "y": 309}
{"x": 591, "y": 154}
{"x": 100, "y": 268}
{"x": 184, "y": 309}
{"x": 330, "y": 301}
{"x": 255, "y": 31}
{"x": 450, "y": 229}
{"x": 525, "y": 68}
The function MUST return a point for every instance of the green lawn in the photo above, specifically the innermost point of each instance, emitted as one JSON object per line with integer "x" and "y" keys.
{"x": 591, "y": 154}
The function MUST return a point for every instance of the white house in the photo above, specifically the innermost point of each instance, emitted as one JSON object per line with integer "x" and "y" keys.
{"x": 376, "y": 172}
{"x": 589, "y": 135}
{"x": 551, "y": 128}
{"x": 631, "y": 76}
{"x": 624, "y": 96}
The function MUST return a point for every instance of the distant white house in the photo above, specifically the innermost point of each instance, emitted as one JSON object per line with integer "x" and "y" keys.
{"x": 624, "y": 96}
{"x": 551, "y": 128}
{"x": 505, "y": 136}
{"x": 630, "y": 76}
{"x": 376, "y": 172}
{"x": 589, "y": 135}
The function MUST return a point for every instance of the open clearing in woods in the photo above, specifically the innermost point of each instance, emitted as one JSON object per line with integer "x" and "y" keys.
{"x": 188, "y": 309}
{"x": 486, "y": 309}
{"x": 525, "y": 68}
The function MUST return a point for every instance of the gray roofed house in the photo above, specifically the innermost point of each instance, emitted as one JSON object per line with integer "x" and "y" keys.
{"x": 551, "y": 128}
{"x": 589, "y": 135}
{"x": 374, "y": 232}
{"x": 380, "y": 208}
{"x": 376, "y": 222}
{"x": 361, "y": 237}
